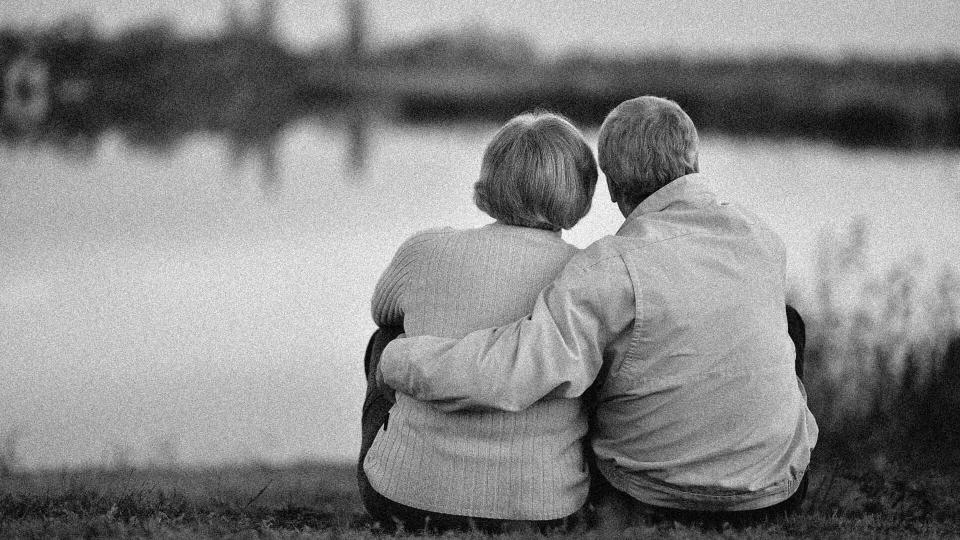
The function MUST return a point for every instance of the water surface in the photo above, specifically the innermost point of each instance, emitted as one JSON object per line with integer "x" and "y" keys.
{"x": 160, "y": 306}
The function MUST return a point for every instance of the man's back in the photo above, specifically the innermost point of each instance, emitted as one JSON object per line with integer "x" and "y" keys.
{"x": 701, "y": 403}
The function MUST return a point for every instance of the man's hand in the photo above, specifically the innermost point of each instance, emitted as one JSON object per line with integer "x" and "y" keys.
{"x": 380, "y": 339}
{"x": 388, "y": 393}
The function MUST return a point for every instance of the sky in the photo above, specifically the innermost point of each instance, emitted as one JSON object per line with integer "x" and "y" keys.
{"x": 820, "y": 27}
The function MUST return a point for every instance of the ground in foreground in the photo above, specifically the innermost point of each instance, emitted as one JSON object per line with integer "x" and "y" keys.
{"x": 847, "y": 499}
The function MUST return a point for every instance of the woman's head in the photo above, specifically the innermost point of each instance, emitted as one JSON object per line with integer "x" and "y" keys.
{"x": 538, "y": 171}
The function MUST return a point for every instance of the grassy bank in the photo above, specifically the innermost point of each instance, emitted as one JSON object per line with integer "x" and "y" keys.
{"x": 315, "y": 500}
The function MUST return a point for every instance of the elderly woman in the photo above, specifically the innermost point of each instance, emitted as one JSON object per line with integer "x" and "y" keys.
{"x": 424, "y": 468}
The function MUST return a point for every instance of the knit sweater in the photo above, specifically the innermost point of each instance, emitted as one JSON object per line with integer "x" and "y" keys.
{"x": 526, "y": 465}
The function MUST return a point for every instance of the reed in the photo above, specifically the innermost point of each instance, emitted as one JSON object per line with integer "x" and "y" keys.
{"x": 883, "y": 348}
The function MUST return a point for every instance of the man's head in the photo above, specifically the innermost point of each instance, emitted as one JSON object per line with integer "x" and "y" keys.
{"x": 644, "y": 144}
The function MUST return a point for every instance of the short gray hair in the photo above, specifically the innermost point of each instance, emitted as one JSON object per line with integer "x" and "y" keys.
{"x": 644, "y": 144}
{"x": 538, "y": 171}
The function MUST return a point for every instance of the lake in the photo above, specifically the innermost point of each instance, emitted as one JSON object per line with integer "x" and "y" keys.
{"x": 158, "y": 307}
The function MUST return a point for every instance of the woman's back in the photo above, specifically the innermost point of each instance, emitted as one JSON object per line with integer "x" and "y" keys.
{"x": 475, "y": 278}
{"x": 525, "y": 465}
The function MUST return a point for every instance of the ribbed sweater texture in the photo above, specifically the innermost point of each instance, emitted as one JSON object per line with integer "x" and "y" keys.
{"x": 526, "y": 465}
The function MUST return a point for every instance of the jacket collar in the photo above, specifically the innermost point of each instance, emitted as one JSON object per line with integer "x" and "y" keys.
{"x": 690, "y": 189}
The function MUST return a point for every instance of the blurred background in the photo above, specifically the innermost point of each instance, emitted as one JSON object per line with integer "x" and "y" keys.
{"x": 197, "y": 197}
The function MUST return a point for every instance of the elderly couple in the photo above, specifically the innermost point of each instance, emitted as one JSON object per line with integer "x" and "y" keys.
{"x": 655, "y": 374}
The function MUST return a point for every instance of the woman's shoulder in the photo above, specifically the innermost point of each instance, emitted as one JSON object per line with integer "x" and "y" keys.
{"x": 494, "y": 245}
{"x": 425, "y": 236}
{"x": 424, "y": 240}
{"x": 492, "y": 238}
{"x": 523, "y": 235}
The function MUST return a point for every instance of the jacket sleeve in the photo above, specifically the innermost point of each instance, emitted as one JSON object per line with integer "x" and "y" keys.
{"x": 557, "y": 351}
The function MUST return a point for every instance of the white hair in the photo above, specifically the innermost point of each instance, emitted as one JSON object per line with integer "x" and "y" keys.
{"x": 538, "y": 171}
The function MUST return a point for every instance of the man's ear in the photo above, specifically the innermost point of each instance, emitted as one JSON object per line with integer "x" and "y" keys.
{"x": 614, "y": 192}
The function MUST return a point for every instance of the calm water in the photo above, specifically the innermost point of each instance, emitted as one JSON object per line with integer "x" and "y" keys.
{"x": 158, "y": 306}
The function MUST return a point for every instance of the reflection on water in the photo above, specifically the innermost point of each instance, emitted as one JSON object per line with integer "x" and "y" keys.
{"x": 146, "y": 298}
{"x": 68, "y": 86}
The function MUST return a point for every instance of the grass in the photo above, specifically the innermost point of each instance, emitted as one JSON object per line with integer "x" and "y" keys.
{"x": 847, "y": 499}
{"x": 198, "y": 503}
{"x": 883, "y": 350}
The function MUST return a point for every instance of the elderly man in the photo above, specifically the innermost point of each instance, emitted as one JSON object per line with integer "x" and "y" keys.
{"x": 700, "y": 414}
